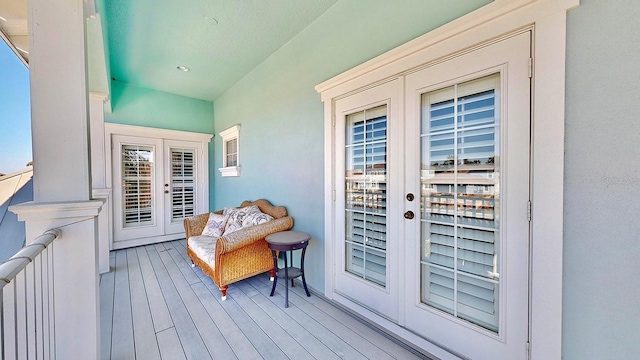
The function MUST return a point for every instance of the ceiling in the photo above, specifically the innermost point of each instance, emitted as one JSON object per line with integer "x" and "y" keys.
{"x": 13, "y": 27}
{"x": 219, "y": 41}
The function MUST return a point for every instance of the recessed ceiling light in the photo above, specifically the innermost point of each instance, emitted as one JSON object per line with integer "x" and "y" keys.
{"x": 212, "y": 20}
{"x": 183, "y": 68}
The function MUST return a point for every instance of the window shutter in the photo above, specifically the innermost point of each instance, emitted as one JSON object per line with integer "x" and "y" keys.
{"x": 137, "y": 176}
{"x": 182, "y": 183}
{"x": 460, "y": 227}
{"x": 366, "y": 194}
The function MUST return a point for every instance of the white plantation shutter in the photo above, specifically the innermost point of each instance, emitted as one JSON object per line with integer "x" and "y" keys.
{"x": 182, "y": 183}
{"x": 460, "y": 192}
{"x": 366, "y": 194}
{"x": 137, "y": 182}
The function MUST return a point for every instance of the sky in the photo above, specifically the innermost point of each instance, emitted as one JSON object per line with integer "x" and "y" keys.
{"x": 15, "y": 113}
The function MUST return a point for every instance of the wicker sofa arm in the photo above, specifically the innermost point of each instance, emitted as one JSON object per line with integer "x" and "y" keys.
{"x": 243, "y": 237}
{"x": 194, "y": 225}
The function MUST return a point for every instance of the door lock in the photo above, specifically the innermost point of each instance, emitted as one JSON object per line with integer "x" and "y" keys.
{"x": 410, "y": 196}
{"x": 408, "y": 215}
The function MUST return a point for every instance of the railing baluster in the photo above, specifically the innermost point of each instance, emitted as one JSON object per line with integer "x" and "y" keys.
{"x": 26, "y": 301}
{"x": 9, "y": 319}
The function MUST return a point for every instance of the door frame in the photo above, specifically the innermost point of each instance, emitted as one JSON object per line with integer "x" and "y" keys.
{"x": 202, "y": 139}
{"x": 547, "y": 20}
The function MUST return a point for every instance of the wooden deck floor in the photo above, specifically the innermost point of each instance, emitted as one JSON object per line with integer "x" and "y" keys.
{"x": 155, "y": 306}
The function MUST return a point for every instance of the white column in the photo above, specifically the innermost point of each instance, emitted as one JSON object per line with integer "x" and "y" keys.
{"x": 62, "y": 172}
{"x": 99, "y": 177}
{"x": 59, "y": 121}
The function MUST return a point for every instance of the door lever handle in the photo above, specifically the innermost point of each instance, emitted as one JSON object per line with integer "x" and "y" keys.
{"x": 408, "y": 215}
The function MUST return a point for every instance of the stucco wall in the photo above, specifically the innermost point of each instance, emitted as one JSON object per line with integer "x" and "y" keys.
{"x": 601, "y": 291}
{"x": 281, "y": 116}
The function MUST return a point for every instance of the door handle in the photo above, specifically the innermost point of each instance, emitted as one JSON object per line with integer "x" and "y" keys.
{"x": 408, "y": 215}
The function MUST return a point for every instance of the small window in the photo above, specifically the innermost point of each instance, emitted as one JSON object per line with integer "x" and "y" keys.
{"x": 230, "y": 152}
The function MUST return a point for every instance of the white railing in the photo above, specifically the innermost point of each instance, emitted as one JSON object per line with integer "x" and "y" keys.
{"x": 26, "y": 301}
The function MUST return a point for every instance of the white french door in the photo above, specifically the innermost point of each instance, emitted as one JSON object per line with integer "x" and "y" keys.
{"x": 138, "y": 190}
{"x": 157, "y": 183}
{"x": 180, "y": 197}
{"x": 431, "y": 201}
{"x": 366, "y": 252}
{"x": 467, "y": 146}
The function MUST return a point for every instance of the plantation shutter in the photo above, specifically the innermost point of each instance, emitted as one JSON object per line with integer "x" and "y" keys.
{"x": 366, "y": 194}
{"x": 137, "y": 182}
{"x": 460, "y": 133}
{"x": 182, "y": 183}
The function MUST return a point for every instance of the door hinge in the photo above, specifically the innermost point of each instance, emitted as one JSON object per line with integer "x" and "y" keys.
{"x": 334, "y": 195}
{"x": 530, "y": 68}
{"x": 529, "y": 210}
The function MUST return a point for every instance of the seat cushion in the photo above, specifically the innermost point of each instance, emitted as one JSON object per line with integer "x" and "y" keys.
{"x": 205, "y": 248}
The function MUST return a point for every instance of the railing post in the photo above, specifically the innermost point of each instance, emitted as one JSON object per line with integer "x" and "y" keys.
{"x": 73, "y": 273}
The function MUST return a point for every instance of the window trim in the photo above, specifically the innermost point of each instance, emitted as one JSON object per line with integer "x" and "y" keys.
{"x": 232, "y": 133}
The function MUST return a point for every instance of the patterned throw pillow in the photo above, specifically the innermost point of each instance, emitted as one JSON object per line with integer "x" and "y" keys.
{"x": 215, "y": 225}
{"x": 244, "y": 217}
{"x": 256, "y": 218}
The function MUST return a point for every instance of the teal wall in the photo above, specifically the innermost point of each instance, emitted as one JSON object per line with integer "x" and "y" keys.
{"x": 601, "y": 290}
{"x": 281, "y": 116}
{"x": 132, "y": 105}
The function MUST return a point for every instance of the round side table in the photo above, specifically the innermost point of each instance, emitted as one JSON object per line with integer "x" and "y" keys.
{"x": 288, "y": 241}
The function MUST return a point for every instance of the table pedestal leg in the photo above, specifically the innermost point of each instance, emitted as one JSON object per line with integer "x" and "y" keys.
{"x": 304, "y": 282}
{"x": 275, "y": 268}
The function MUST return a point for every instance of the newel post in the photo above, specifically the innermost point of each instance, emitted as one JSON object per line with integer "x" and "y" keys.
{"x": 62, "y": 175}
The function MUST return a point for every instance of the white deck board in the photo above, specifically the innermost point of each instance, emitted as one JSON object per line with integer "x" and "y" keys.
{"x": 122, "y": 341}
{"x": 146, "y": 344}
{"x": 213, "y": 339}
{"x": 190, "y": 339}
{"x": 155, "y": 306}
{"x": 170, "y": 347}
{"x": 107, "y": 285}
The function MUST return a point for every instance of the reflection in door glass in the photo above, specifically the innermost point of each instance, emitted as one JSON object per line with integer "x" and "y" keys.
{"x": 460, "y": 197}
{"x": 366, "y": 194}
{"x": 182, "y": 184}
{"x": 137, "y": 177}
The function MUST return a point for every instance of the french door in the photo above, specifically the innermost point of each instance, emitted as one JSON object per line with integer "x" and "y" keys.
{"x": 432, "y": 230}
{"x": 367, "y": 267}
{"x": 155, "y": 187}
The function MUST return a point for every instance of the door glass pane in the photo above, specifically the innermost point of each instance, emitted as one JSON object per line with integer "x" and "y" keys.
{"x": 137, "y": 176}
{"x": 460, "y": 197}
{"x": 182, "y": 183}
{"x": 366, "y": 194}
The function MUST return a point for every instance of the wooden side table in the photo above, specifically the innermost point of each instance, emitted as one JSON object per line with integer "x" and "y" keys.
{"x": 288, "y": 241}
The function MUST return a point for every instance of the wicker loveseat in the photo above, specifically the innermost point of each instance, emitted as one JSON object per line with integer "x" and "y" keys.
{"x": 240, "y": 254}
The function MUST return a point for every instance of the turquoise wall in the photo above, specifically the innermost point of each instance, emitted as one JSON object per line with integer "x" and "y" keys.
{"x": 601, "y": 291}
{"x": 281, "y": 116}
{"x": 132, "y": 105}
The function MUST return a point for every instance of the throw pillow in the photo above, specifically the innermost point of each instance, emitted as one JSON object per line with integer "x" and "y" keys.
{"x": 244, "y": 217}
{"x": 215, "y": 225}
{"x": 256, "y": 218}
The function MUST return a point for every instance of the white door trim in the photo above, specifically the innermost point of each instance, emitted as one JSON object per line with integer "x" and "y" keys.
{"x": 547, "y": 18}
